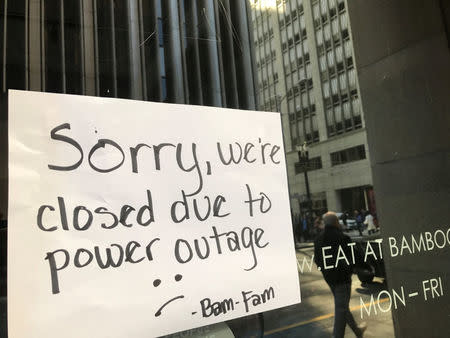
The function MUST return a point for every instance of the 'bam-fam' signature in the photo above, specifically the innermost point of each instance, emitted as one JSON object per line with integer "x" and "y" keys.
{"x": 249, "y": 299}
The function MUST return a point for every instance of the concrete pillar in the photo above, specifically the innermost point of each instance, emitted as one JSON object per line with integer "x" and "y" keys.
{"x": 34, "y": 46}
{"x": 173, "y": 58}
{"x": 135, "y": 39}
{"x": 402, "y": 55}
{"x": 89, "y": 58}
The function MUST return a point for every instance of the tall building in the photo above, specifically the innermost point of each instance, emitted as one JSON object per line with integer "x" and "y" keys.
{"x": 306, "y": 70}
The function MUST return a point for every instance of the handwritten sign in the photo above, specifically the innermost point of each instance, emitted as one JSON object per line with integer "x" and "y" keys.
{"x": 138, "y": 219}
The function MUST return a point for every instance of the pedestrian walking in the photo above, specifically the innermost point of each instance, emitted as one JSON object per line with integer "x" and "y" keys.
{"x": 344, "y": 218}
{"x": 305, "y": 229}
{"x": 359, "y": 221}
{"x": 339, "y": 276}
{"x": 318, "y": 224}
{"x": 369, "y": 220}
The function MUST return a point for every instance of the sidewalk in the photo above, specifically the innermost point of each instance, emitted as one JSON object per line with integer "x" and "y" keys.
{"x": 304, "y": 245}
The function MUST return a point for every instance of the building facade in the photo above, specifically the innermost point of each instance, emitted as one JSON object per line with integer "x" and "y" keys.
{"x": 306, "y": 70}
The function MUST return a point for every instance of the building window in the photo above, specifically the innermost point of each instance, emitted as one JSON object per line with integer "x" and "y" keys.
{"x": 304, "y": 33}
{"x": 357, "y": 121}
{"x": 348, "y": 155}
{"x": 314, "y": 163}
{"x": 335, "y": 99}
{"x": 294, "y": 15}
{"x": 349, "y": 62}
{"x": 332, "y": 12}
{"x": 316, "y": 138}
{"x": 344, "y": 34}
{"x": 316, "y": 23}
{"x": 348, "y": 124}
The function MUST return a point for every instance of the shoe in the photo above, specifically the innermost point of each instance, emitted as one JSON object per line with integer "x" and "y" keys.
{"x": 362, "y": 328}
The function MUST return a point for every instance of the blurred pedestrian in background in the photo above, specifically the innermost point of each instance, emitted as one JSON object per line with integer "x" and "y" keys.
{"x": 305, "y": 229}
{"x": 359, "y": 221}
{"x": 339, "y": 276}
{"x": 344, "y": 219}
{"x": 369, "y": 220}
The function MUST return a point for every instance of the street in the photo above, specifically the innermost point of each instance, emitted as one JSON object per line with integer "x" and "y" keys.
{"x": 314, "y": 316}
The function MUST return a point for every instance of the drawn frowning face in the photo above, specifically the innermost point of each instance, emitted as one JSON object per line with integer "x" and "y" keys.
{"x": 156, "y": 283}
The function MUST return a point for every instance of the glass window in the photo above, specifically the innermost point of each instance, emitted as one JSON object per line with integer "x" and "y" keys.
{"x": 352, "y": 77}
{"x": 338, "y": 113}
{"x": 224, "y": 54}
{"x": 346, "y": 109}
{"x": 334, "y": 85}
{"x": 316, "y": 11}
{"x": 323, "y": 63}
{"x": 339, "y": 54}
{"x": 323, "y": 6}
{"x": 342, "y": 82}
{"x": 344, "y": 20}
{"x": 327, "y": 32}
{"x": 326, "y": 89}
{"x": 319, "y": 36}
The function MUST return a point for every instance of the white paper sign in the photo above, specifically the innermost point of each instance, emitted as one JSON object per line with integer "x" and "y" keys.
{"x": 133, "y": 219}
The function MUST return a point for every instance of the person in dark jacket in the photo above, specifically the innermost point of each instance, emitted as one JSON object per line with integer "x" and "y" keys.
{"x": 335, "y": 254}
{"x": 359, "y": 218}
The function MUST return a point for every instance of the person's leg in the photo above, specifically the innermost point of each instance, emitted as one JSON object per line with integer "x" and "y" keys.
{"x": 349, "y": 316}
{"x": 341, "y": 300}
